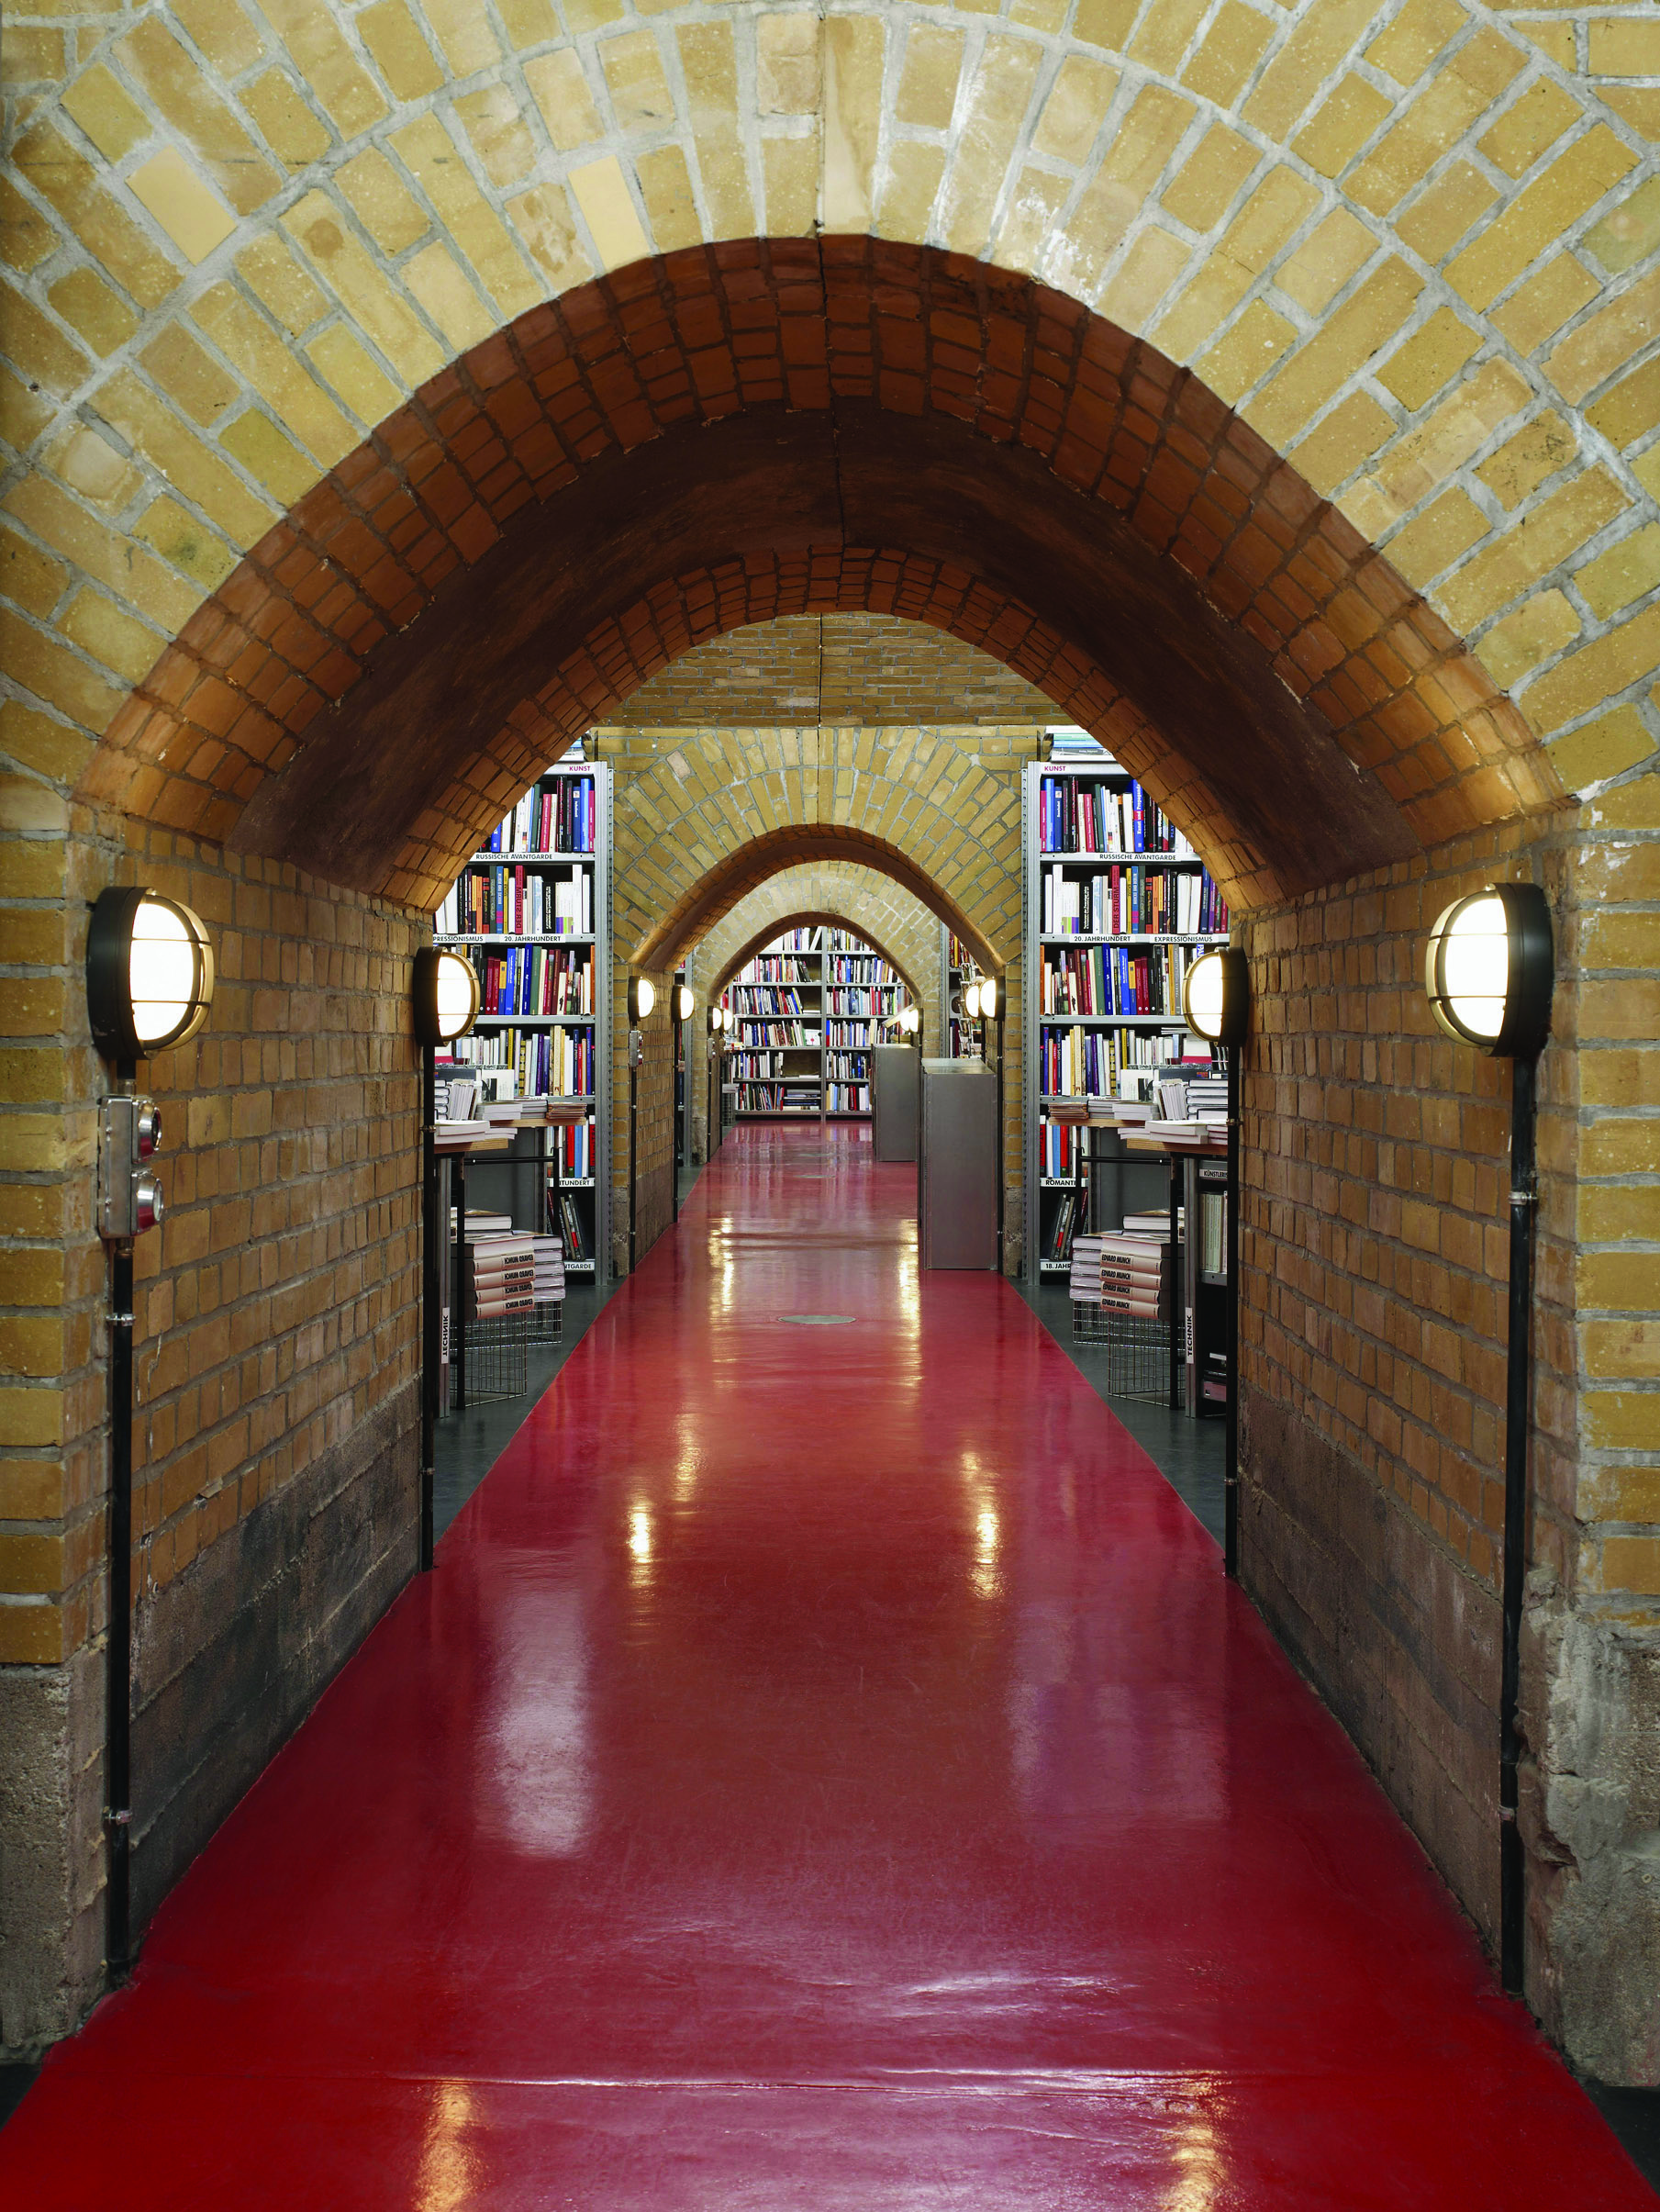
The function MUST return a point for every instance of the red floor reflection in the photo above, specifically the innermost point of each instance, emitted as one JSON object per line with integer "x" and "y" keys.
{"x": 827, "y": 1770}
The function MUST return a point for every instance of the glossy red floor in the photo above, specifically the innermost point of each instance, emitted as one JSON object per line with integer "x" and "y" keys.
{"x": 826, "y": 1770}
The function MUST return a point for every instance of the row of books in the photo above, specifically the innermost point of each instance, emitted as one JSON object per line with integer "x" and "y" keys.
{"x": 868, "y": 968}
{"x": 847, "y": 1066}
{"x": 776, "y": 1033}
{"x": 1085, "y": 1062}
{"x": 575, "y": 1238}
{"x": 1112, "y": 979}
{"x": 1131, "y": 900}
{"x": 749, "y": 999}
{"x": 877, "y": 1005}
{"x": 536, "y": 979}
{"x": 573, "y": 1149}
{"x": 1075, "y": 815}
{"x": 552, "y": 818}
{"x": 777, "y": 1098}
{"x": 754, "y": 1066}
{"x": 858, "y": 1036}
{"x": 517, "y": 902}
{"x": 556, "y": 1062}
{"x": 847, "y": 1098}
{"x": 779, "y": 967}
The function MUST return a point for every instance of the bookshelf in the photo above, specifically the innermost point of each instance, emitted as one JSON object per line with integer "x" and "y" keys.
{"x": 958, "y": 969}
{"x": 531, "y": 910}
{"x": 807, "y": 1011}
{"x": 1117, "y": 906}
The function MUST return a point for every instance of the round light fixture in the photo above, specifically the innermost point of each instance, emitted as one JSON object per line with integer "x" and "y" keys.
{"x": 684, "y": 1001}
{"x": 971, "y": 1003}
{"x": 1216, "y": 996}
{"x": 1489, "y": 971}
{"x": 910, "y": 1020}
{"x": 149, "y": 974}
{"x": 446, "y": 996}
{"x": 991, "y": 992}
{"x": 643, "y": 996}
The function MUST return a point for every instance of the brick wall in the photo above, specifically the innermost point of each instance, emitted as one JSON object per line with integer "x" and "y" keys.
{"x": 1374, "y": 1235}
{"x": 1377, "y": 1259}
{"x": 830, "y": 668}
{"x": 275, "y": 1363}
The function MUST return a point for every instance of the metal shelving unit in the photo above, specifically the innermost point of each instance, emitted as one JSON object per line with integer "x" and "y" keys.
{"x": 590, "y": 1194}
{"x": 1044, "y": 1191}
{"x": 803, "y": 1068}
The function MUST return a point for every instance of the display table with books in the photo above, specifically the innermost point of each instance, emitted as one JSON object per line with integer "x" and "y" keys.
{"x": 505, "y": 1285}
{"x": 1150, "y": 1283}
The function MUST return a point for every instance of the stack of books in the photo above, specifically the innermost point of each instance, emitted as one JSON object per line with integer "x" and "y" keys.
{"x": 1155, "y": 1225}
{"x": 1208, "y": 1101}
{"x": 1122, "y": 1274}
{"x": 512, "y": 1274}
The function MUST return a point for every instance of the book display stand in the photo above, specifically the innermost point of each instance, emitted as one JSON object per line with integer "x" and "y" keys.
{"x": 531, "y": 910}
{"x": 807, "y": 1013}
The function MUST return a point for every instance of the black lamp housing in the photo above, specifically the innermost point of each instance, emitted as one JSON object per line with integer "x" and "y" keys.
{"x": 118, "y": 918}
{"x": 1530, "y": 972}
{"x": 1231, "y": 1024}
{"x": 642, "y": 998}
{"x": 430, "y": 969}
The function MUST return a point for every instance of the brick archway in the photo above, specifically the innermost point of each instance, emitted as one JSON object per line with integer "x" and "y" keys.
{"x": 736, "y": 873}
{"x": 731, "y": 434}
{"x": 805, "y": 917}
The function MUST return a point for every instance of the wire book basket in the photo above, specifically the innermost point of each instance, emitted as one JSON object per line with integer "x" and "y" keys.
{"x": 499, "y": 1349}
{"x": 1137, "y": 1348}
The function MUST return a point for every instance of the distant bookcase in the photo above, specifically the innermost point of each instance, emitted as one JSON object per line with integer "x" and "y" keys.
{"x": 1118, "y": 905}
{"x": 958, "y": 969}
{"x": 531, "y": 910}
{"x": 806, "y": 1013}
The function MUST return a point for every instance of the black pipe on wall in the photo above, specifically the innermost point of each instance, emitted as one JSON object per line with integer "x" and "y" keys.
{"x": 117, "y": 1757}
{"x": 432, "y": 1259}
{"x": 1518, "y": 1423}
{"x": 1230, "y": 1206}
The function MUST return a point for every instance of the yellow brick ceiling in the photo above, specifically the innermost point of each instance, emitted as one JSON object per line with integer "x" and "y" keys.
{"x": 1413, "y": 244}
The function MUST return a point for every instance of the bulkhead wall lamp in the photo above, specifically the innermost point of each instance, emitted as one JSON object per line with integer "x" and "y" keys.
{"x": 1216, "y": 996}
{"x": 446, "y": 997}
{"x": 149, "y": 974}
{"x": 148, "y": 987}
{"x": 642, "y": 998}
{"x": 1489, "y": 970}
{"x": 684, "y": 1001}
{"x": 910, "y": 1020}
{"x": 1216, "y": 1005}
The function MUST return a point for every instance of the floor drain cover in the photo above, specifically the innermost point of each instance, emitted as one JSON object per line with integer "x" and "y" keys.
{"x": 820, "y": 1321}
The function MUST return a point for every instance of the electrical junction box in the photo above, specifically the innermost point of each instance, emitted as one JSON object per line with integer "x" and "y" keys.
{"x": 129, "y": 1197}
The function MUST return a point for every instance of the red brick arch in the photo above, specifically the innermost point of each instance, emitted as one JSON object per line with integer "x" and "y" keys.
{"x": 806, "y": 918}
{"x": 762, "y": 428}
{"x": 718, "y": 891}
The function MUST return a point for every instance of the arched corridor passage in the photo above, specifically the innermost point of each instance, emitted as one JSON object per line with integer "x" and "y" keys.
{"x": 828, "y": 1767}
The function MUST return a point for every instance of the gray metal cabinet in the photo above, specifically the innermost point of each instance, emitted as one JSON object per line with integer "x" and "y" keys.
{"x": 892, "y": 1091}
{"x": 957, "y": 1165}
